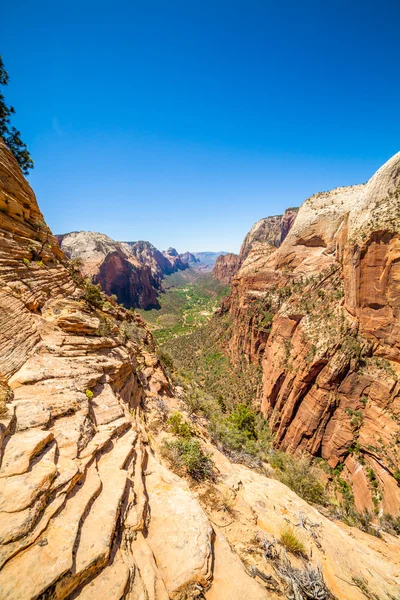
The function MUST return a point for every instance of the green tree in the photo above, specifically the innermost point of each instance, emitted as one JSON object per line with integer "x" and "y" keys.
{"x": 10, "y": 134}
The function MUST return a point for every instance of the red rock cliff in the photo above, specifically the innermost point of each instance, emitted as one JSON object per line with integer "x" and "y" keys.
{"x": 270, "y": 231}
{"x": 321, "y": 314}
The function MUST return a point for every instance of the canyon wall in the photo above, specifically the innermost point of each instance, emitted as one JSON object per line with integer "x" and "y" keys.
{"x": 133, "y": 271}
{"x": 320, "y": 313}
{"x": 226, "y": 267}
{"x": 269, "y": 231}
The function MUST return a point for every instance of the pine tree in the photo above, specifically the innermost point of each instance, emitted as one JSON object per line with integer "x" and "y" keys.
{"x": 10, "y": 134}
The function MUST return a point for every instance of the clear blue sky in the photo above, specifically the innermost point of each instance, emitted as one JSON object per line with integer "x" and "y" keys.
{"x": 184, "y": 122}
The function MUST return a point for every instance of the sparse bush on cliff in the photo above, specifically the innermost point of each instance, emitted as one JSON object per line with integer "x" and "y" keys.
{"x": 188, "y": 454}
{"x": 105, "y": 327}
{"x": 178, "y": 426}
{"x": 390, "y": 524}
{"x": 299, "y": 475}
{"x": 93, "y": 294}
{"x": 166, "y": 361}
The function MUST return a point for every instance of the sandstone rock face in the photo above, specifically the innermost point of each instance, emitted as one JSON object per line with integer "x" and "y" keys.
{"x": 320, "y": 313}
{"x": 133, "y": 271}
{"x": 225, "y": 267}
{"x": 268, "y": 232}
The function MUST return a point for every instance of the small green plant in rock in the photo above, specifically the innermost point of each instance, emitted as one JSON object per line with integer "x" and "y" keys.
{"x": 93, "y": 295}
{"x": 189, "y": 455}
{"x": 105, "y": 327}
{"x": 89, "y": 394}
{"x": 291, "y": 541}
{"x": 178, "y": 426}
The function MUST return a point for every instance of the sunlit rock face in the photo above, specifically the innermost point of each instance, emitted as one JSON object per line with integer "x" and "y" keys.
{"x": 225, "y": 267}
{"x": 270, "y": 231}
{"x": 321, "y": 314}
{"x": 133, "y": 271}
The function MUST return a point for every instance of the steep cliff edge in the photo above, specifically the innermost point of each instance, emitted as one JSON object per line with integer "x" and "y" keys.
{"x": 226, "y": 267}
{"x": 321, "y": 314}
{"x": 269, "y": 232}
{"x": 88, "y": 507}
{"x": 132, "y": 271}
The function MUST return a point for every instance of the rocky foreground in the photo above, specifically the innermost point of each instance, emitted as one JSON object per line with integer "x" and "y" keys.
{"x": 321, "y": 314}
{"x": 88, "y": 506}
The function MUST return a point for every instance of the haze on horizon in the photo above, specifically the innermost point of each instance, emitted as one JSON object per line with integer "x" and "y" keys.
{"x": 184, "y": 123}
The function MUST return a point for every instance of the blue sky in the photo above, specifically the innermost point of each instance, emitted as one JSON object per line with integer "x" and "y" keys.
{"x": 184, "y": 122}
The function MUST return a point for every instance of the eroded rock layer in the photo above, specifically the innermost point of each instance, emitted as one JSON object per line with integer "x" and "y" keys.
{"x": 321, "y": 314}
{"x": 132, "y": 271}
{"x": 268, "y": 232}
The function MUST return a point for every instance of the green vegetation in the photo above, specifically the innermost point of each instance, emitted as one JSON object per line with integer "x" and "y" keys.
{"x": 10, "y": 134}
{"x": 188, "y": 454}
{"x": 390, "y": 524}
{"x": 300, "y": 475}
{"x": 93, "y": 294}
{"x": 185, "y": 305}
{"x": 89, "y": 394}
{"x": 290, "y": 540}
{"x": 179, "y": 427}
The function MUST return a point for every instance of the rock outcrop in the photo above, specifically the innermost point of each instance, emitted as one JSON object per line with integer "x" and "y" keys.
{"x": 320, "y": 313}
{"x": 226, "y": 267}
{"x": 270, "y": 231}
{"x": 133, "y": 271}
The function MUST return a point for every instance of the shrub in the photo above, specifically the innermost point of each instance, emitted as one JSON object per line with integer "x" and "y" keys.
{"x": 291, "y": 541}
{"x": 188, "y": 454}
{"x": 165, "y": 360}
{"x": 178, "y": 426}
{"x": 390, "y": 524}
{"x": 105, "y": 327}
{"x": 93, "y": 295}
{"x": 199, "y": 402}
{"x": 300, "y": 476}
{"x": 89, "y": 394}
{"x": 244, "y": 435}
{"x": 243, "y": 419}
{"x": 26, "y": 262}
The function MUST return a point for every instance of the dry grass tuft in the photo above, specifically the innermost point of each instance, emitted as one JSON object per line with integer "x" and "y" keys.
{"x": 291, "y": 541}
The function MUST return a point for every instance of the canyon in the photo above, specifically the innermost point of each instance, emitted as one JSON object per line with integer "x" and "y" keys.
{"x": 132, "y": 271}
{"x": 91, "y": 506}
{"x": 318, "y": 310}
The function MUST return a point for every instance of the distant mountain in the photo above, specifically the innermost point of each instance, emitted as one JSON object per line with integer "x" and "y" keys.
{"x": 208, "y": 258}
{"x": 133, "y": 271}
